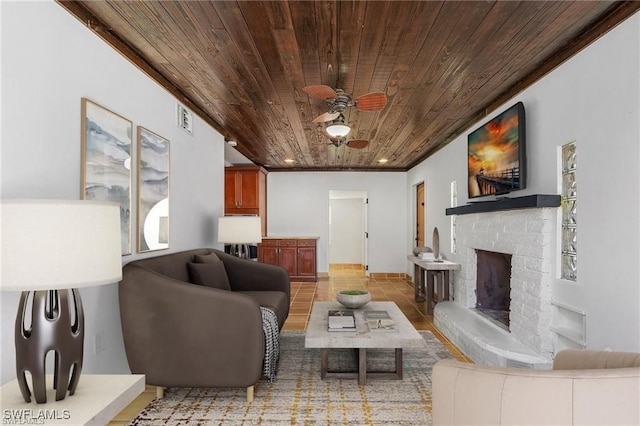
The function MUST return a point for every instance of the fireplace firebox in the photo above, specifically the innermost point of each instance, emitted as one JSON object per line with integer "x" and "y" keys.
{"x": 493, "y": 286}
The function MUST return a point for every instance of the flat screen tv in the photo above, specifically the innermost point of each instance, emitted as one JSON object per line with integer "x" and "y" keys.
{"x": 496, "y": 155}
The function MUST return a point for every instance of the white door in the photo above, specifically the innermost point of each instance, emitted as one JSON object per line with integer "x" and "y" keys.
{"x": 365, "y": 220}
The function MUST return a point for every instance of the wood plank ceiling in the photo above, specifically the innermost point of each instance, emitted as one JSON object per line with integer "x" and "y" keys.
{"x": 241, "y": 66}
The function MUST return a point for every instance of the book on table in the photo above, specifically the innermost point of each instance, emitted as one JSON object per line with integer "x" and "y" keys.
{"x": 342, "y": 320}
{"x": 379, "y": 321}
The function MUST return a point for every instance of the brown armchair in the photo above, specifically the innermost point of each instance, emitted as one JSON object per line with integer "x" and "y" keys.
{"x": 187, "y": 335}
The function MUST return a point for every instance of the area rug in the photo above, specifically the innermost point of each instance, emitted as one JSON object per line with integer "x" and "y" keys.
{"x": 300, "y": 397}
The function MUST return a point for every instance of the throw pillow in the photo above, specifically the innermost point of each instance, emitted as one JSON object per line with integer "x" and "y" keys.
{"x": 209, "y": 274}
{"x": 206, "y": 258}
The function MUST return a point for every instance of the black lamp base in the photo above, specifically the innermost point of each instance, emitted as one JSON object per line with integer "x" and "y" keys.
{"x": 57, "y": 324}
{"x": 240, "y": 250}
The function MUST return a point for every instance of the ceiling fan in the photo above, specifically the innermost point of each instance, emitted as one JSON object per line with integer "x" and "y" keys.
{"x": 339, "y": 101}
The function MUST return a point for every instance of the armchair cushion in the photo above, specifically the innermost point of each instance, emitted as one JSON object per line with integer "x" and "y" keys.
{"x": 209, "y": 274}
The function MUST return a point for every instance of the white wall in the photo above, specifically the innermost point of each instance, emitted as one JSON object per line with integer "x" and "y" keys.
{"x": 298, "y": 204}
{"x": 49, "y": 62}
{"x": 346, "y": 231}
{"x": 593, "y": 99}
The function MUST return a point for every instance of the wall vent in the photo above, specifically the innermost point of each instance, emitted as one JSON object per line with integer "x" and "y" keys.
{"x": 185, "y": 119}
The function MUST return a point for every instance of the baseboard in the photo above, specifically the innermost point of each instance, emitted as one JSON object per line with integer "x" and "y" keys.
{"x": 375, "y": 275}
{"x": 390, "y": 275}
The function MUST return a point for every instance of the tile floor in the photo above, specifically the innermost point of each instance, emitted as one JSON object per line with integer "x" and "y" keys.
{"x": 383, "y": 287}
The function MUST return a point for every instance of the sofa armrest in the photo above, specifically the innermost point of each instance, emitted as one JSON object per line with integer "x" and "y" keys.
{"x": 247, "y": 275}
{"x": 472, "y": 394}
{"x": 180, "y": 334}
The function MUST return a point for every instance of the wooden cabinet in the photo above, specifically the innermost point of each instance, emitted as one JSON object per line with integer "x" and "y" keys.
{"x": 296, "y": 255}
{"x": 306, "y": 251}
{"x": 245, "y": 192}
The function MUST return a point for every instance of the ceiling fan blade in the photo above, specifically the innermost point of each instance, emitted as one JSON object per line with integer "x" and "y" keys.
{"x": 358, "y": 143}
{"x": 320, "y": 91}
{"x": 374, "y": 101}
{"x": 327, "y": 116}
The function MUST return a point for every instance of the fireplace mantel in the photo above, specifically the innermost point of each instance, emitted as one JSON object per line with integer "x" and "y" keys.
{"x": 500, "y": 204}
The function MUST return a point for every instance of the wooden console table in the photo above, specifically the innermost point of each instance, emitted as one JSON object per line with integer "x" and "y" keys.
{"x": 436, "y": 277}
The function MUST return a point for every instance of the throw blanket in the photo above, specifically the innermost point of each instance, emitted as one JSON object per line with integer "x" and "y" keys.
{"x": 272, "y": 344}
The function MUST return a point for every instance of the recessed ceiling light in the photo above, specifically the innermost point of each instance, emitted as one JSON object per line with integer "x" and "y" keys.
{"x": 288, "y": 160}
{"x": 382, "y": 160}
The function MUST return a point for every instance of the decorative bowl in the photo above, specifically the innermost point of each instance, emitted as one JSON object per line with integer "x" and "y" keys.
{"x": 353, "y": 299}
{"x": 417, "y": 250}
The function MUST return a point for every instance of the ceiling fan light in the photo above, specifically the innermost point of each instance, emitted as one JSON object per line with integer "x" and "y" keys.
{"x": 338, "y": 130}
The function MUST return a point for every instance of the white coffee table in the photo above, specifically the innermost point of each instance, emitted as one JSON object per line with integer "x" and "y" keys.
{"x": 317, "y": 336}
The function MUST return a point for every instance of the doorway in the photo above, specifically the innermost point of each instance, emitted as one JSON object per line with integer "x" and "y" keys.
{"x": 420, "y": 219}
{"x": 348, "y": 232}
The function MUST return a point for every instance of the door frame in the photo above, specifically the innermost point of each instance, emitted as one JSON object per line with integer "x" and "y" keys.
{"x": 357, "y": 194}
{"x": 420, "y": 219}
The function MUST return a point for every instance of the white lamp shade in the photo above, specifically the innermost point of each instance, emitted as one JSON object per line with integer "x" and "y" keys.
{"x": 59, "y": 244}
{"x": 239, "y": 229}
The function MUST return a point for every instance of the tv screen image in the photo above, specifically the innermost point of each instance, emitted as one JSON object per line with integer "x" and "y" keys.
{"x": 496, "y": 154}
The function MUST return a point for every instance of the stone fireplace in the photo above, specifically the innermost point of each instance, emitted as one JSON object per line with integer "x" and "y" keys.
{"x": 528, "y": 237}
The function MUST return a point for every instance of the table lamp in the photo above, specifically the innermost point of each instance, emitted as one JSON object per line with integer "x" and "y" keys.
{"x": 239, "y": 231}
{"x": 51, "y": 248}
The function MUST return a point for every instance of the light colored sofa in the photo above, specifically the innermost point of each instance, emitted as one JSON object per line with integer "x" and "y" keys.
{"x": 584, "y": 388}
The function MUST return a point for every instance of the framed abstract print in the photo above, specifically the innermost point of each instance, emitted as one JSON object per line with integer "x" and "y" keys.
{"x": 153, "y": 191}
{"x": 106, "y": 162}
